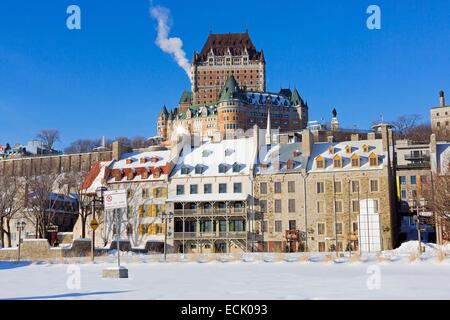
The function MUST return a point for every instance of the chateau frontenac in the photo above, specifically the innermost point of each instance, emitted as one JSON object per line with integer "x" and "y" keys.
{"x": 229, "y": 93}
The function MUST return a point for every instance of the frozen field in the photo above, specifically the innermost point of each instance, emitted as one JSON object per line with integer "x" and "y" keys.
{"x": 392, "y": 278}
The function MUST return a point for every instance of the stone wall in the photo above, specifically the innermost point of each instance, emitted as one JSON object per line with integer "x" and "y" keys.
{"x": 52, "y": 164}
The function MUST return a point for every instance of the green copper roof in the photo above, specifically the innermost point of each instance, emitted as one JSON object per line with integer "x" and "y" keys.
{"x": 296, "y": 99}
{"x": 186, "y": 97}
{"x": 230, "y": 90}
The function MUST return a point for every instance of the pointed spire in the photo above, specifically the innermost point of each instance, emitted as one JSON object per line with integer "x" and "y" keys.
{"x": 230, "y": 89}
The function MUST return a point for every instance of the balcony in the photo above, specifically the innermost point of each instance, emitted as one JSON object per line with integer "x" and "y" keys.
{"x": 196, "y": 213}
{"x": 292, "y": 235}
{"x": 210, "y": 235}
{"x": 417, "y": 157}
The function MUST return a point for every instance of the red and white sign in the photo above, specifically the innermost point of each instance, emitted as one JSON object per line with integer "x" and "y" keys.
{"x": 116, "y": 199}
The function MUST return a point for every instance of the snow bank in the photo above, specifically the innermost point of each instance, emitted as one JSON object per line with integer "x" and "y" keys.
{"x": 412, "y": 247}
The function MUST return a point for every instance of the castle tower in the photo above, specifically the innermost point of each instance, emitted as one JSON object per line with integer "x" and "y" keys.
{"x": 302, "y": 108}
{"x": 162, "y": 128}
{"x": 224, "y": 55}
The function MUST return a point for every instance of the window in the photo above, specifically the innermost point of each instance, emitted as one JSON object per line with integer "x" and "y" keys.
{"x": 184, "y": 170}
{"x": 222, "y": 168}
{"x": 193, "y": 189}
{"x": 373, "y": 160}
{"x": 375, "y": 205}
{"x": 198, "y": 169}
{"x": 320, "y": 163}
{"x": 338, "y": 206}
{"x": 278, "y": 206}
{"x": 320, "y": 206}
{"x": 321, "y": 229}
{"x": 321, "y": 246}
{"x": 263, "y": 187}
{"x": 145, "y": 193}
{"x": 222, "y": 188}
{"x": 402, "y": 180}
{"x": 374, "y": 185}
{"x": 355, "y": 186}
{"x": 236, "y": 167}
{"x": 263, "y": 206}
{"x": 403, "y": 194}
{"x": 237, "y": 187}
{"x": 291, "y": 186}
{"x": 413, "y": 180}
{"x": 355, "y": 226}
{"x": 355, "y": 205}
{"x": 337, "y": 162}
{"x": 291, "y": 205}
{"x": 264, "y": 226}
{"x": 278, "y": 226}
{"x": 339, "y": 228}
{"x": 355, "y": 161}
{"x": 365, "y": 148}
{"x": 320, "y": 187}
{"x": 337, "y": 186}
{"x": 207, "y": 188}
{"x": 180, "y": 189}
{"x": 277, "y": 187}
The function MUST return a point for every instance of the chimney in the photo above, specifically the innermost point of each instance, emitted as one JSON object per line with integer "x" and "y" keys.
{"x": 307, "y": 142}
{"x": 330, "y": 139}
{"x": 371, "y": 136}
{"x": 117, "y": 150}
{"x": 355, "y": 137}
{"x": 441, "y": 99}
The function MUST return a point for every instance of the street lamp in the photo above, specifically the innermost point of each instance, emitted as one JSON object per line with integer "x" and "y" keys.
{"x": 165, "y": 218}
{"x": 98, "y": 198}
{"x": 20, "y": 225}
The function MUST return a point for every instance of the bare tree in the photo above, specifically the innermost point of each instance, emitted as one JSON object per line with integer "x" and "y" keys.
{"x": 42, "y": 201}
{"x": 83, "y": 145}
{"x": 419, "y": 133}
{"x": 12, "y": 200}
{"x": 139, "y": 142}
{"x": 48, "y": 137}
{"x": 405, "y": 123}
{"x": 73, "y": 181}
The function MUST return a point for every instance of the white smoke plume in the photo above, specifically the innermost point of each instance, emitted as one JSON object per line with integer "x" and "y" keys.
{"x": 172, "y": 46}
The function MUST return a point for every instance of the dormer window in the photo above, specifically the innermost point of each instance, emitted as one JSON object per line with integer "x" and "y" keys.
{"x": 156, "y": 173}
{"x": 348, "y": 149}
{"x": 129, "y": 161}
{"x": 236, "y": 167}
{"x": 142, "y": 160}
{"x": 355, "y": 161}
{"x": 184, "y": 170}
{"x": 365, "y": 148}
{"x": 320, "y": 162}
{"x": 296, "y": 153}
{"x": 290, "y": 164}
{"x": 331, "y": 149}
{"x": 154, "y": 159}
{"x": 228, "y": 152}
{"x": 199, "y": 169}
{"x": 222, "y": 168}
{"x": 205, "y": 153}
{"x": 130, "y": 175}
{"x": 373, "y": 160}
{"x": 337, "y": 161}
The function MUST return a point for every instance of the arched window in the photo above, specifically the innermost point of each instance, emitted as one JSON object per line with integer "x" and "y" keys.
{"x": 373, "y": 160}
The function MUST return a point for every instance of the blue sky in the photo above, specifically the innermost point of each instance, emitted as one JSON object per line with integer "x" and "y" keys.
{"x": 109, "y": 78}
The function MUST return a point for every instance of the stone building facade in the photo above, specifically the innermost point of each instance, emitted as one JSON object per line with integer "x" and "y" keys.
{"x": 440, "y": 118}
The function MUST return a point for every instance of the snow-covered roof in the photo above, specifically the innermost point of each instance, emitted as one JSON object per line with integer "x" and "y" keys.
{"x": 340, "y": 149}
{"x": 267, "y": 98}
{"x": 230, "y": 154}
{"x": 162, "y": 156}
{"x": 281, "y": 153}
{"x": 443, "y": 157}
{"x": 94, "y": 179}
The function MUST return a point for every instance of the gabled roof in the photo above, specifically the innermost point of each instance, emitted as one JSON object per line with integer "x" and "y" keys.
{"x": 236, "y": 43}
{"x": 186, "y": 97}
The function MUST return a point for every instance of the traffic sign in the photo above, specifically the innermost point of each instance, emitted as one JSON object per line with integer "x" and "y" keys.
{"x": 94, "y": 224}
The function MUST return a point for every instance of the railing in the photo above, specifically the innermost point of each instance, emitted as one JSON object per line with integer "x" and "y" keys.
{"x": 421, "y": 165}
{"x": 236, "y": 212}
{"x": 424, "y": 157}
{"x": 210, "y": 235}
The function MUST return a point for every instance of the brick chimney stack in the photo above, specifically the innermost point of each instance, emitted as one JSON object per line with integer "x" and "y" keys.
{"x": 442, "y": 98}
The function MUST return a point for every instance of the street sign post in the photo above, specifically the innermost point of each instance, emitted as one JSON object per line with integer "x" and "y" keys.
{"x": 116, "y": 200}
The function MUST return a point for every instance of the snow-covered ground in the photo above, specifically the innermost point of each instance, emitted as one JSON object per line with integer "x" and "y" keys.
{"x": 394, "y": 277}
